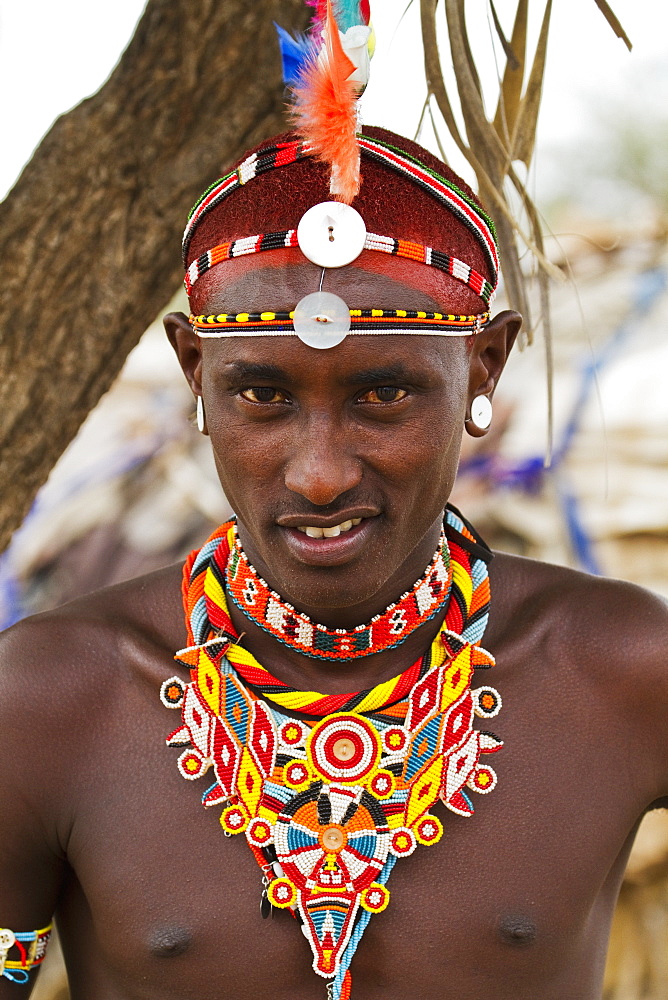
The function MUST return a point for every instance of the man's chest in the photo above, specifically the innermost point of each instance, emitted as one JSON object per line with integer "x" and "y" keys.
{"x": 515, "y": 883}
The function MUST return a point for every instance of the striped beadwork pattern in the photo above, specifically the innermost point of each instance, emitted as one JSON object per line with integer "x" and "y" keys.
{"x": 445, "y": 192}
{"x": 385, "y": 244}
{"x": 448, "y": 194}
{"x": 362, "y": 321}
{"x": 433, "y": 258}
{"x": 331, "y": 790}
{"x": 280, "y": 155}
{"x": 237, "y": 248}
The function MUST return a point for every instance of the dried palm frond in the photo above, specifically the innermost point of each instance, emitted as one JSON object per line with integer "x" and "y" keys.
{"x": 493, "y": 147}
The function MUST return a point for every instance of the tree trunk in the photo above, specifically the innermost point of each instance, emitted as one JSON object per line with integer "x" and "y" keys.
{"x": 90, "y": 234}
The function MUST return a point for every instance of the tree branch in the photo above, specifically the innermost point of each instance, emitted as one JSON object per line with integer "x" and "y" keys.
{"x": 89, "y": 235}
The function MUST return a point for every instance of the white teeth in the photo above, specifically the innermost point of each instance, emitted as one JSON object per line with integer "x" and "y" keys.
{"x": 332, "y": 532}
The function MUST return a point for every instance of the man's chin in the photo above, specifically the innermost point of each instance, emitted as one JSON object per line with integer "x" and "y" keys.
{"x": 366, "y": 565}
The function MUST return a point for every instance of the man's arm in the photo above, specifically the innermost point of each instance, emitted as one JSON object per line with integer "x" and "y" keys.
{"x": 621, "y": 635}
{"x": 32, "y": 765}
{"x": 648, "y": 656}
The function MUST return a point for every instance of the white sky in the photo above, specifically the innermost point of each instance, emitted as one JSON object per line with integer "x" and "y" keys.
{"x": 53, "y": 54}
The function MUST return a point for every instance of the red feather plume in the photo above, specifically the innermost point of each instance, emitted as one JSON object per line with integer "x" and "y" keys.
{"x": 325, "y": 111}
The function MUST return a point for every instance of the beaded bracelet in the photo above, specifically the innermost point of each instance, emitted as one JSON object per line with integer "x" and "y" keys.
{"x": 362, "y": 321}
{"x": 18, "y": 970}
{"x": 287, "y": 238}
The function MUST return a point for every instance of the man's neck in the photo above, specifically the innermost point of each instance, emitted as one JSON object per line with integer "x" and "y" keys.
{"x": 341, "y": 606}
{"x": 332, "y": 677}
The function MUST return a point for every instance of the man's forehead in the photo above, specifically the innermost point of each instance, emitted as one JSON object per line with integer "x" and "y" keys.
{"x": 360, "y": 358}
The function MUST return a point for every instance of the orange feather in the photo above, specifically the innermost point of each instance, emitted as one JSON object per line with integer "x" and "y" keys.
{"x": 325, "y": 112}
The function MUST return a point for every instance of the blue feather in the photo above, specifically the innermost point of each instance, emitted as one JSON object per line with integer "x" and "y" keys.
{"x": 295, "y": 54}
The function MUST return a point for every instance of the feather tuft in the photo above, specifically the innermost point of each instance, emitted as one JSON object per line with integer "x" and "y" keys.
{"x": 325, "y": 111}
{"x": 348, "y": 14}
{"x": 295, "y": 54}
{"x": 320, "y": 11}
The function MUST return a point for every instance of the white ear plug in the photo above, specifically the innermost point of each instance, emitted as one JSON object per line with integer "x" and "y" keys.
{"x": 481, "y": 412}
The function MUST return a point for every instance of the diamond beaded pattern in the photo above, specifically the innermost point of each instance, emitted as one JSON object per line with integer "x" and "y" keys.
{"x": 331, "y": 790}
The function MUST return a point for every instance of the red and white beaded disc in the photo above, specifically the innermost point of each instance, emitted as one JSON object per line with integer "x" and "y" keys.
{"x": 343, "y": 748}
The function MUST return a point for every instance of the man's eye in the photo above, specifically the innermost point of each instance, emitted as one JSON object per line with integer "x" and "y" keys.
{"x": 383, "y": 394}
{"x": 263, "y": 394}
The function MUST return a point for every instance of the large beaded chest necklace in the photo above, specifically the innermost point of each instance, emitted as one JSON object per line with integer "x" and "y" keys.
{"x": 331, "y": 790}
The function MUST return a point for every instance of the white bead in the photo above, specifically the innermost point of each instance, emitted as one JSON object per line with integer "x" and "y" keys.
{"x": 247, "y": 170}
{"x": 321, "y": 320}
{"x": 331, "y": 234}
{"x": 7, "y": 939}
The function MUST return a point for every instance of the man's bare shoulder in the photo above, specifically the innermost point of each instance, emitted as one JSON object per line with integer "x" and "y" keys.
{"x": 78, "y": 694}
{"x": 62, "y": 664}
{"x": 608, "y": 636}
{"x": 588, "y": 612}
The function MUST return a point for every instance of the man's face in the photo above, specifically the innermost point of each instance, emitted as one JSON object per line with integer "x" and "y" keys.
{"x": 366, "y": 432}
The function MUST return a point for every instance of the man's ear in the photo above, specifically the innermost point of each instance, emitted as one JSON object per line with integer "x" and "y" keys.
{"x": 488, "y": 357}
{"x": 187, "y": 346}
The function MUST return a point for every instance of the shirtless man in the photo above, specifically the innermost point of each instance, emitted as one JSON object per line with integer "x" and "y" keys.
{"x": 98, "y": 825}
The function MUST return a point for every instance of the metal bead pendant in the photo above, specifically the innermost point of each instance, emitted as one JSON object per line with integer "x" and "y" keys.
{"x": 321, "y": 320}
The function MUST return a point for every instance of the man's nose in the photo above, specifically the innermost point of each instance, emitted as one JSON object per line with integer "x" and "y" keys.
{"x": 322, "y": 467}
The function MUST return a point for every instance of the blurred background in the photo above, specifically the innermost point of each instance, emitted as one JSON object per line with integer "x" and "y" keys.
{"x": 137, "y": 488}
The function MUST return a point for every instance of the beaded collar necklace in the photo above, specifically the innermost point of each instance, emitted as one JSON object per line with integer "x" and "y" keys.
{"x": 331, "y": 790}
{"x": 266, "y": 608}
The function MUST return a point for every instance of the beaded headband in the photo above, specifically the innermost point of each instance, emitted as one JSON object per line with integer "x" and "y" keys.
{"x": 328, "y": 319}
{"x": 385, "y": 244}
{"x": 327, "y": 71}
{"x": 283, "y": 154}
{"x": 362, "y": 321}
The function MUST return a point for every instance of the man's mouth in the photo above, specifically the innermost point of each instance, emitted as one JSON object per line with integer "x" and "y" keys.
{"x": 315, "y": 532}
{"x": 321, "y": 543}
{"x": 313, "y": 538}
